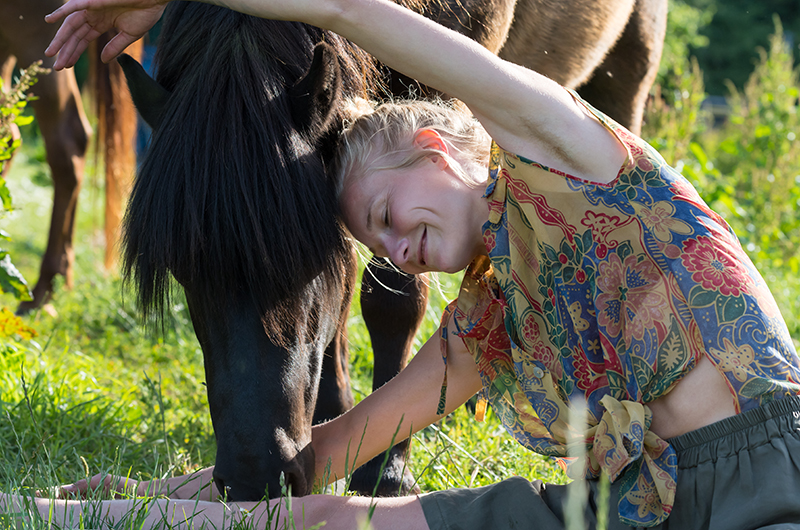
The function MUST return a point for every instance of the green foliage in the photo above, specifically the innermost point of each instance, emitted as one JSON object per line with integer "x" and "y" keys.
{"x": 12, "y": 105}
{"x": 94, "y": 386}
{"x": 748, "y": 169}
{"x": 756, "y": 177}
{"x": 673, "y": 117}
{"x": 737, "y": 29}
{"x": 684, "y": 25}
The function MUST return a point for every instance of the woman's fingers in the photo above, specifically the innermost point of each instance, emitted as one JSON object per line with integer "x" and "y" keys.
{"x": 82, "y": 43}
{"x": 85, "y": 20}
{"x": 73, "y": 37}
{"x": 71, "y": 25}
{"x": 105, "y": 484}
{"x": 72, "y": 45}
{"x": 70, "y": 7}
{"x": 117, "y": 45}
{"x": 76, "y": 490}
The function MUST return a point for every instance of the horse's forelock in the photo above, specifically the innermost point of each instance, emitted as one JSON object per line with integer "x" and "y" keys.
{"x": 230, "y": 195}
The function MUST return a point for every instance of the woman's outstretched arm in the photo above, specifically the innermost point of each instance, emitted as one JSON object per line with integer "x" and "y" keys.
{"x": 198, "y": 485}
{"x": 404, "y": 405}
{"x": 338, "y": 513}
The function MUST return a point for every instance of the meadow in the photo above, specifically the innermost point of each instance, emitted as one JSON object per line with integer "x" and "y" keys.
{"x": 86, "y": 388}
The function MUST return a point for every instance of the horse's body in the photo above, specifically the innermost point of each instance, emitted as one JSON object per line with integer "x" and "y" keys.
{"x": 608, "y": 50}
{"x": 61, "y": 119}
{"x": 234, "y": 201}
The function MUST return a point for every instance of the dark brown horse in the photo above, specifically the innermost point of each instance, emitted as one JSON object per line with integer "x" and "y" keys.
{"x": 233, "y": 200}
{"x": 66, "y": 131}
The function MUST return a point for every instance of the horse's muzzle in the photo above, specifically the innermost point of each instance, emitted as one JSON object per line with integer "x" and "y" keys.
{"x": 254, "y": 481}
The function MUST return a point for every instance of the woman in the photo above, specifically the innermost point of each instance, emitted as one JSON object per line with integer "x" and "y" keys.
{"x": 594, "y": 272}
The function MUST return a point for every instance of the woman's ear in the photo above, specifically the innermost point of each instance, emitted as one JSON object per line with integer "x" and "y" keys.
{"x": 430, "y": 139}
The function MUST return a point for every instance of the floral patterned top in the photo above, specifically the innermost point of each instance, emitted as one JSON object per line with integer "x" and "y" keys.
{"x": 609, "y": 294}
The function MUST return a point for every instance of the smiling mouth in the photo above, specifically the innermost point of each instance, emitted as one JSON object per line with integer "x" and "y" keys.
{"x": 422, "y": 241}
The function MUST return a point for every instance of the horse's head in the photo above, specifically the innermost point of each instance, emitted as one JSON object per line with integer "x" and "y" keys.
{"x": 234, "y": 202}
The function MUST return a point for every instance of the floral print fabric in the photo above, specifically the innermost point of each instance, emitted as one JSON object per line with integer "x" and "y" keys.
{"x": 609, "y": 294}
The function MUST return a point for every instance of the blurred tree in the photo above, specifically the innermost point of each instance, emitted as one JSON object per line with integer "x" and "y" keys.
{"x": 736, "y": 31}
{"x": 684, "y": 25}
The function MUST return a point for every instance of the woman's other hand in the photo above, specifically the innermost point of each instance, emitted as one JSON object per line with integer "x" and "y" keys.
{"x": 196, "y": 485}
{"x": 85, "y": 20}
{"x": 106, "y": 485}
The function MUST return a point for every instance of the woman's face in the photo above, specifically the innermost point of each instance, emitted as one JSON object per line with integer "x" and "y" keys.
{"x": 424, "y": 218}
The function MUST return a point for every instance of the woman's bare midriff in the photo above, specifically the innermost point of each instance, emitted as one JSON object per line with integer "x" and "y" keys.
{"x": 701, "y": 398}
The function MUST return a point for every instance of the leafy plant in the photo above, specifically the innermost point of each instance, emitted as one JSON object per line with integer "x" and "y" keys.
{"x": 685, "y": 23}
{"x": 12, "y": 105}
{"x": 738, "y": 28}
{"x": 760, "y": 158}
{"x": 748, "y": 168}
{"x": 673, "y": 117}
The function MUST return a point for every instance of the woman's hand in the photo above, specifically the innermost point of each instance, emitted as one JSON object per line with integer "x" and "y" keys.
{"x": 108, "y": 485}
{"x": 85, "y": 20}
{"x": 197, "y": 485}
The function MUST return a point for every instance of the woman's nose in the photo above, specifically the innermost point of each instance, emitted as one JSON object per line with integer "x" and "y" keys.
{"x": 398, "y": 249}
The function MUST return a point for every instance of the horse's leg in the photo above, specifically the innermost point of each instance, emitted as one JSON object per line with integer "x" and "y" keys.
{"x": 7, "y": 62}
{"x": 393, "y": 306}
{"x": 620, "y": 85}
{"x": 66, "y": 132}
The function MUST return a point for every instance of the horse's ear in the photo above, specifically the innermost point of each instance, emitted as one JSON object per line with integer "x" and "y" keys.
{"x": 149, "y": 97}
{"x": 315, "y": 97}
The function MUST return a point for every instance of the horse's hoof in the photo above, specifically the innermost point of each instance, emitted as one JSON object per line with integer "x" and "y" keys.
{"x": 25, "y": 308}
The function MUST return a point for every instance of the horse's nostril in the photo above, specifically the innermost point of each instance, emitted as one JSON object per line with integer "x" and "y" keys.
{"x": 224, "y": 488}
{"x": 294, "y": 483}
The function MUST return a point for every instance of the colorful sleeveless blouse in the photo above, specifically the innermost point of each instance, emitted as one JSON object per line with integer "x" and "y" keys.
{"x": 608, "y": 295}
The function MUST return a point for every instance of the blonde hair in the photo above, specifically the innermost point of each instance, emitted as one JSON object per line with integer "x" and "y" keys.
{"x": 381, "y": 136}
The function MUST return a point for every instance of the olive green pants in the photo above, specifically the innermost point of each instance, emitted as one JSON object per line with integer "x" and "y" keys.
{"x": 742, "y": 473}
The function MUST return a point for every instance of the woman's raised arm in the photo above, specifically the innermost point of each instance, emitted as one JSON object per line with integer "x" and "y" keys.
{"x": 522, "y": 110}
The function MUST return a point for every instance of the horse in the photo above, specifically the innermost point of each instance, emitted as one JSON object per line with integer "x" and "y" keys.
{"x": 66, "y": 132}
{"x": 234, "y": 201}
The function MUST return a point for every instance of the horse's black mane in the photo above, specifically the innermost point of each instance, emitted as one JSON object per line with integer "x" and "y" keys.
{"x": 231, "y": 196}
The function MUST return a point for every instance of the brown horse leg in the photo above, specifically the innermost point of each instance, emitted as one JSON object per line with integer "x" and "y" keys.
{"x": 116, "y": 136}
{"x": 64, "y": 127}
{"x": 620, "y": 85}
{"x": 66, "y": 132}
{"x": 393, "y": 306}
